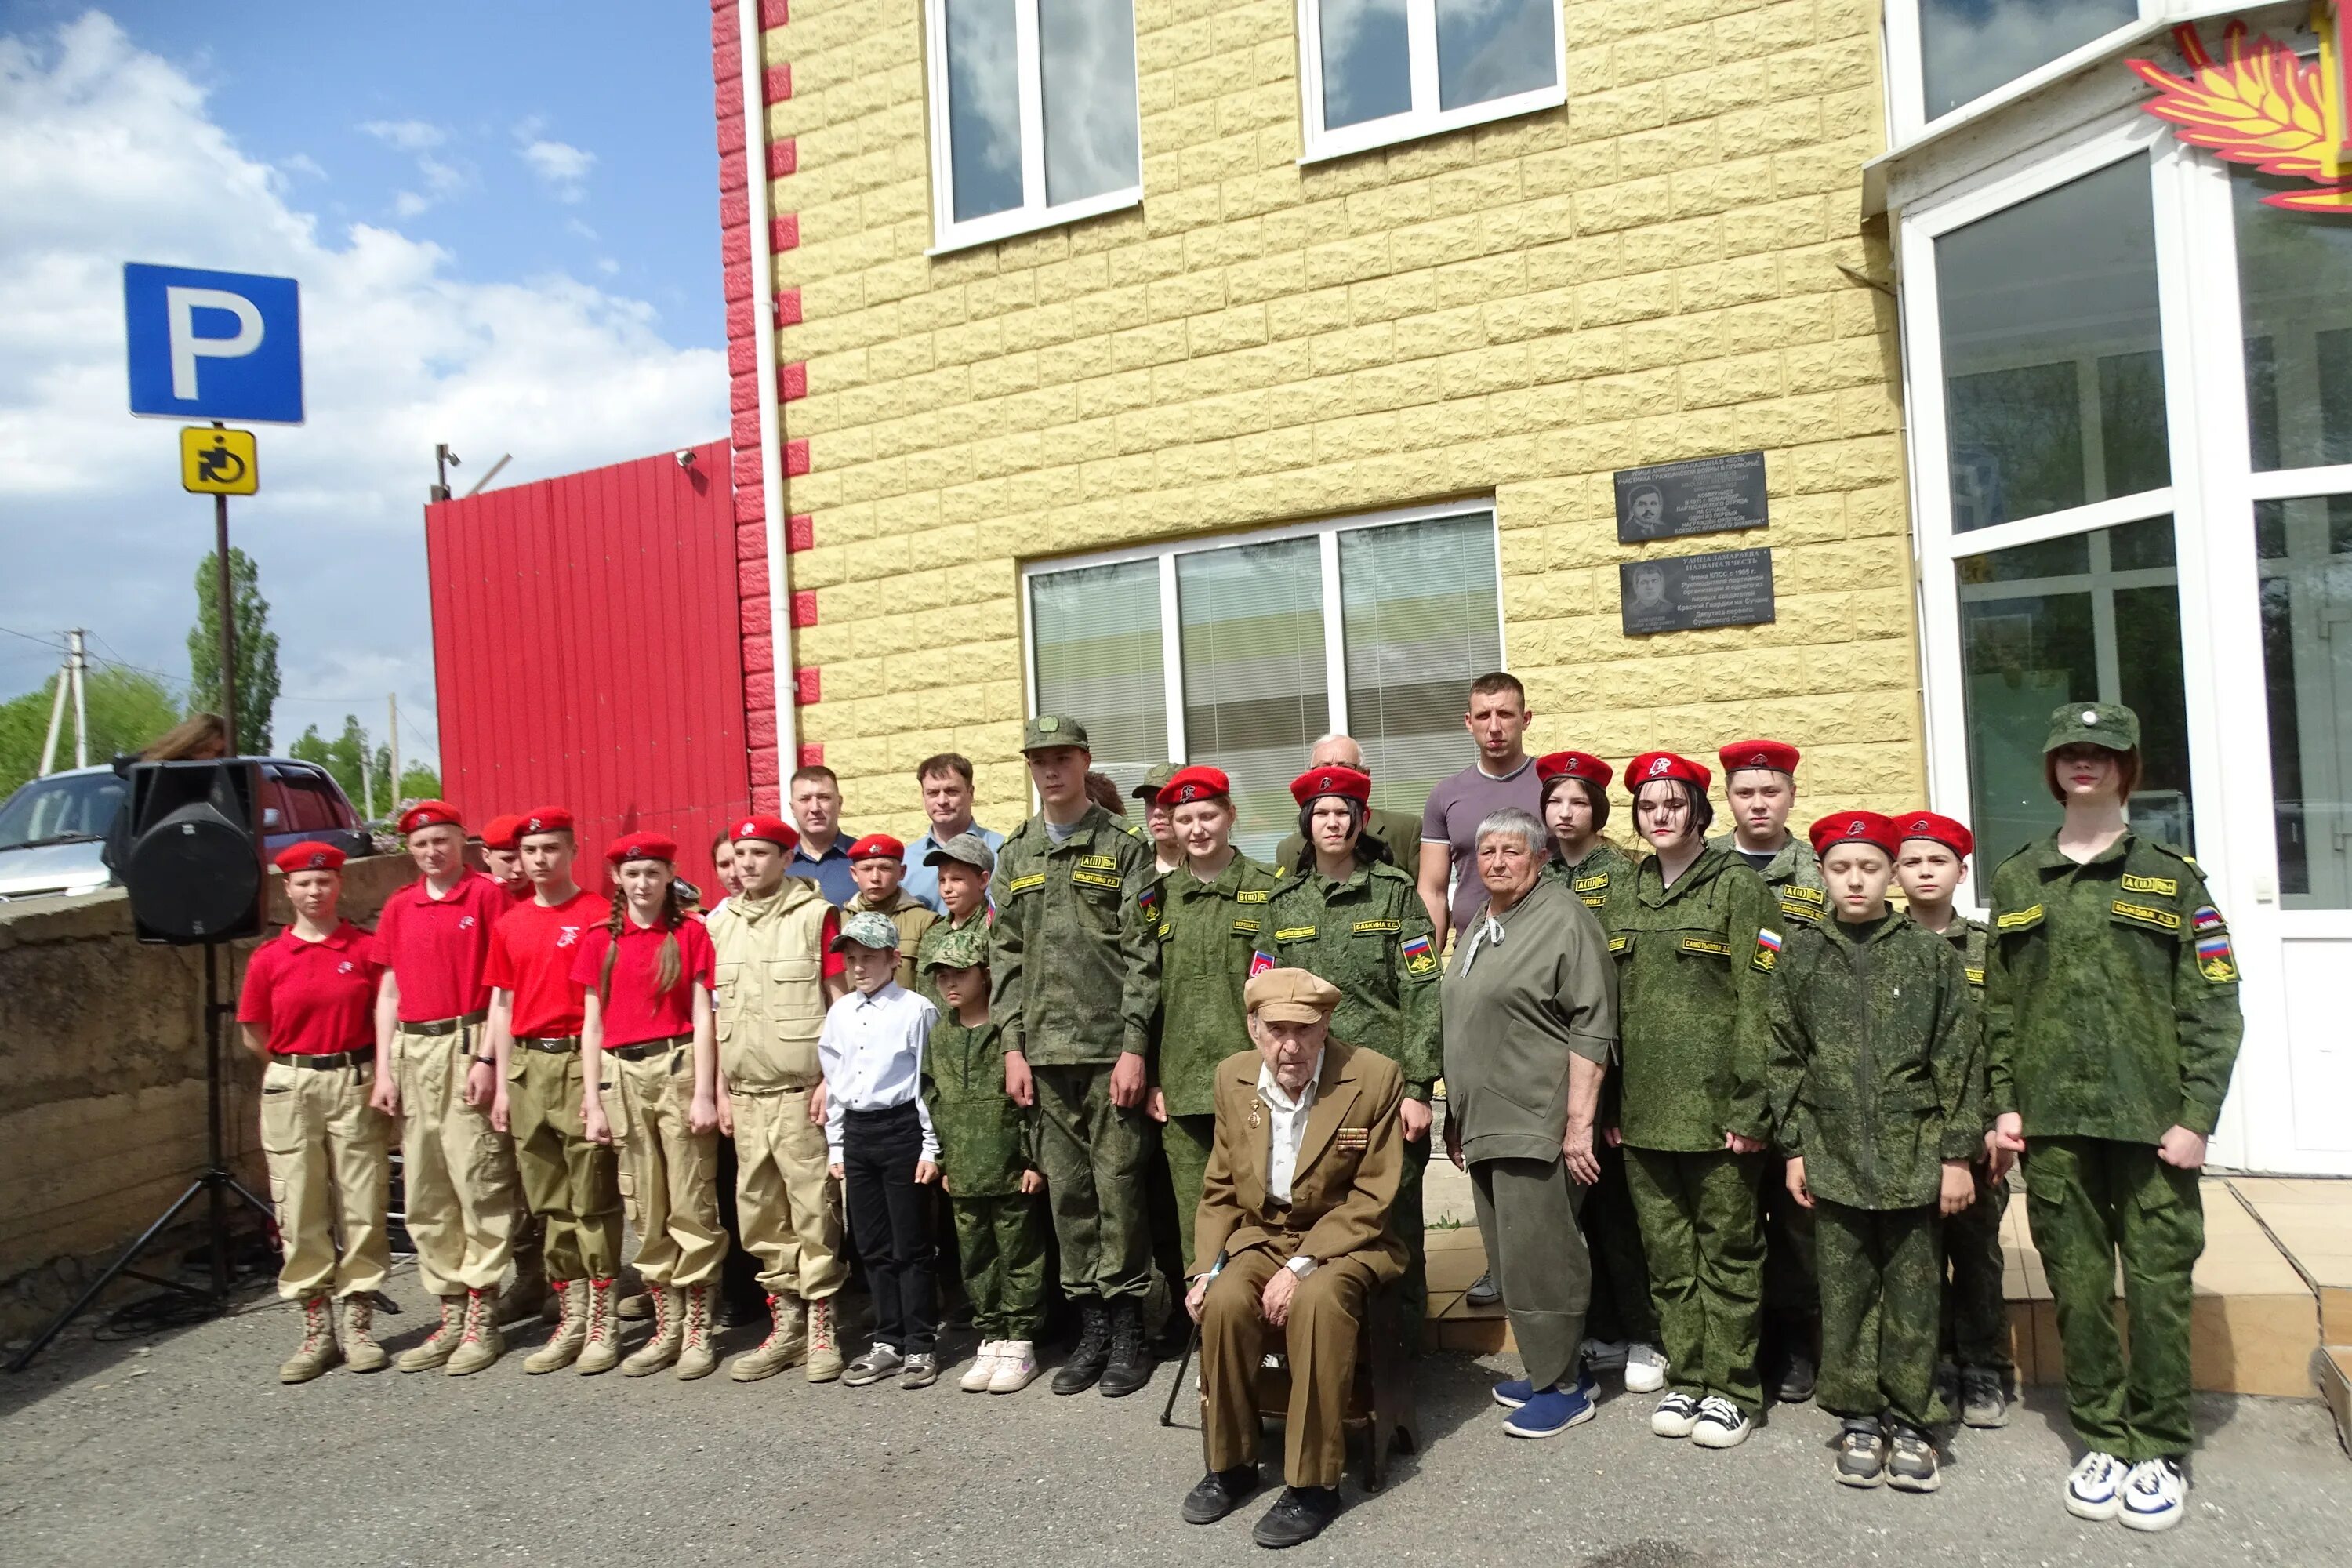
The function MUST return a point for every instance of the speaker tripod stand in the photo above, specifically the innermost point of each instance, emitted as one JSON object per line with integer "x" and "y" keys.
{"x": 215, "y": 1184}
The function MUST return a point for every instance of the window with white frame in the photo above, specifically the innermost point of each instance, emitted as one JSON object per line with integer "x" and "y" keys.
{"x": 1380, "y": 71}
{"x": 1945, "y": 55}
{"x": 1238, "y": 653}
{"x": 1033, "y": 114}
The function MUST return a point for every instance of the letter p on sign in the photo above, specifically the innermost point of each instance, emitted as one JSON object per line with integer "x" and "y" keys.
{"x": 212, "y": 345}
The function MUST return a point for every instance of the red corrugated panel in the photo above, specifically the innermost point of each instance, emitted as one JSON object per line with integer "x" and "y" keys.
{"x": 548, "y": 697}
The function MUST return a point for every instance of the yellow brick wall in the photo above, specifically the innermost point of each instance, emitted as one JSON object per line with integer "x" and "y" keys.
{"x": 1655, "y": 271}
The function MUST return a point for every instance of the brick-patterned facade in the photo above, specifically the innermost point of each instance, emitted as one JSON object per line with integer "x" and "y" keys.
{"x": 1671, "y": 266}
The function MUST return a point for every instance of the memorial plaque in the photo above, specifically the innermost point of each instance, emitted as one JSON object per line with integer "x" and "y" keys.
{"x": 1685, "y": 592}
{"x": 1704, "y": 495}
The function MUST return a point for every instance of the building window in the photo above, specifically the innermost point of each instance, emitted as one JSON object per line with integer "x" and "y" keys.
{"x": 1034, "y": 117}
{"x": 1381, "y": 71}
{"x": 1949, "y": 58}
{"x": 1239, "y": 653}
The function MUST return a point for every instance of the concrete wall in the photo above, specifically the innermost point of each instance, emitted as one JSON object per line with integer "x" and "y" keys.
{"x": 101, "y": 1045}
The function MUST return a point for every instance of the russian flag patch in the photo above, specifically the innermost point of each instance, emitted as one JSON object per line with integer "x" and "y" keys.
{"x": 2214, "y": 959}
{"x": 1767, "y": 947}
{"x": 1259, "y": 963}
{"x": 1420, "y": 957}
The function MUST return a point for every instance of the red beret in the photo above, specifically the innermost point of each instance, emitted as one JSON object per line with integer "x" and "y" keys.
{"x": 309, "y": 855}
{"x": 542, "y": 819}
{"x": 775, "y": 829}
{"x": 429, "y": 813}
{"x": 501, "y": 833}
{"x": 1189, "y": 784}
{"x": 1653, "y": 765}
{"x": 1574, "y": 765}
{"x": 1951, "y": 834}
{"x": 1854, "y": 828}
{"x": 1774, "y": 754}
{"x": 878, "y": 847}
{"x": 1346, "y": 783}
{"x": 640, "y": 846}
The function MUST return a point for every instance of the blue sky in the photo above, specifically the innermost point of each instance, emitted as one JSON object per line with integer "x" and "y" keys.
{"x": 504, "y": 220}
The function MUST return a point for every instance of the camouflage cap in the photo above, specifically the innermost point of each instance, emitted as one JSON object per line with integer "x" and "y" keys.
{"x": 958, "y": 950}
{"x": 1154, "y": 782}
{"x": 1053, "y": 729}
{"x": 867, "y": 929}
{"x": 2108, "y": 724}
{"x": 969, "y": 848}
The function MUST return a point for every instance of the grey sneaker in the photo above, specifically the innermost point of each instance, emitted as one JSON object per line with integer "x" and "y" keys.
{"x": 1984, "y": 1396}
{"x": 1862, "y": 1454}
{"x": 1911, "y": 1468}
{"x": 922, "y": 1369}
{"x": 1484, "y": 1291}
{"x": 879, "y": 1363}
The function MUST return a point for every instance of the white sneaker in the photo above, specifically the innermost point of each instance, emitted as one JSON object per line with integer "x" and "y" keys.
{"x": 1645, "y": 1368}
{"x": 1016, "y": 1367}
{"x": 1720, "y": 1424}
{"x": 1675, "y": 1415}
{"x": 1604, "y": 1355}
{"x": 2094, "y": 1489}
{"x": 983, "y": 1367}
{"x": 2156, "y": 1494}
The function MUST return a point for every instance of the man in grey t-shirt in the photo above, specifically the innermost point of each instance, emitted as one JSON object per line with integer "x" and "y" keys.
{"x": 1503, "y": 775}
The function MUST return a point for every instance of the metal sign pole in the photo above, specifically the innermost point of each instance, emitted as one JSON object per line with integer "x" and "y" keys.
{"x": 227, "y": 620}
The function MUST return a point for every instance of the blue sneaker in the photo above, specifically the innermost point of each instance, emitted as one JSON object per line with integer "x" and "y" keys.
{"x": 1553, "y": 1411}
{"x": 1513, "y": 1392}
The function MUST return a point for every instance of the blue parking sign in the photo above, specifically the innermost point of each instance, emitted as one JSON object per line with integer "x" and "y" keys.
{"x": 212, "y": 345}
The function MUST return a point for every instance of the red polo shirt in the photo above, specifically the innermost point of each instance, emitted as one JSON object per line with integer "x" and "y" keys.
{"x": 435, "y": 947}
{"x": 313, "y": 998}
{"x": 633, "y": 1010}
{"x": 531, "y": 954}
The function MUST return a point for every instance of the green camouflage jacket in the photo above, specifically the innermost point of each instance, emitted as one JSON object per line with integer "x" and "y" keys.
{"x": 1207, "y": 933}
{"x": 1370, "y": 937}
{"x": 2111, "y": 992}
{"x": 1692, "y": 971}
{"x": 1795, "y": 877}
{"x": 937, "y": 933}
{"x": 1875, "y": 1076}
{"x": 1603, "y": 865}
{"x": 985, "y": 1140}
{"x": 1074, "y": 956}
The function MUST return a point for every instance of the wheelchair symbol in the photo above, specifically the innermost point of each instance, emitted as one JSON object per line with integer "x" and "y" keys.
{"x": 216, "y": 465}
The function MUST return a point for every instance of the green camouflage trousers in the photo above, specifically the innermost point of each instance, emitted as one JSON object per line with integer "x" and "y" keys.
{"x": 1621, "y": 1307}
{"x": 1976, "y": 1315}
{"x": 1185, "y": 1143}
{"x": 1095, "y": 1158}
{"x": 1705, "y": 1253}
{"x": 1880, "y": 1286}
{"x": 1000, "y": 1242}
{"x": 2089, "y": 1201}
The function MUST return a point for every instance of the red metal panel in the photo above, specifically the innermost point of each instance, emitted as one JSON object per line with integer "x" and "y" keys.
{"x": 548, "y": 697}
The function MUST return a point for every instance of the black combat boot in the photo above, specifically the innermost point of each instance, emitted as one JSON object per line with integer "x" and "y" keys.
{"x": 1090, "y": 1354}
{"x": 1130, "y": 1351}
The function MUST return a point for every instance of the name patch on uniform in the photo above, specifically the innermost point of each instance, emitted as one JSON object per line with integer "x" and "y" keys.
{"x": 1023, "y": 884}
{"x": 1594, "y": 901}
{"x": 1812, "y": 896}
{"x": 1976, "y": 976}
{"x": 1246, "y": 928}
{"x": 1356, "y": 1139}
{"x": 1363, "y": 927}
{"x": 1620, "y": 943}
{"x": 2019, "y": 919}
{"x": 1253, "y": 895}
{"x": 1294, "y": 933}
{"x": 1259, "y": 963}
{"x": 1099, "y": 862}
{"x": 1767, "y": 948}
{"x": 2142, "y": 914}
{"x": 1420, "y": 957}
{"x": 1096, "y": 879}
{"x": 2164, "y": 885}
{"x": 2215, "y": 962}
{"x": 1591, "y": 884}
{"x": 1707, "y": 945}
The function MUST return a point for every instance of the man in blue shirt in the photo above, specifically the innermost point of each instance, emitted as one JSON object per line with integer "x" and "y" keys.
{"x": 823, "y": 857}
{"x": 946, "y": 783}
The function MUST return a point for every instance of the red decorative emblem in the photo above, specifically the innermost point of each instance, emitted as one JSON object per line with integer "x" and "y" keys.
{"x": 2260, "y": 105}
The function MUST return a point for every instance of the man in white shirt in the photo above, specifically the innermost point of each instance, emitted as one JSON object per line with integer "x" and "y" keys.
{"x": 1294, "y": 1212}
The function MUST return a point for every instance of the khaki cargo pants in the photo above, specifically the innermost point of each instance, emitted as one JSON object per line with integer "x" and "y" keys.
{"x": 330, "y": 1171}
{"x": 668, "y": 1172}
{"x": 786, "y": 1202}
{"x": 457, "y": 1172}
{"x": 568, "y": 1179}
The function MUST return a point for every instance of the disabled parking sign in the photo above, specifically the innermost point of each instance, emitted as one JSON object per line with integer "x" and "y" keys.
{"x": 212, "y": 345}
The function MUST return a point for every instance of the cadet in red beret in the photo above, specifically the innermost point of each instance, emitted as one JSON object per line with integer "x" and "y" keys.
{"x": 878, "y": 862}
{"x": 1347, "y": 784}
{"x": 306, "y": 1011}
{"x": 1574, "y": 792}
{"x": 430, "y": 814}
{"x": 1869, "y": 827}
{"x": 502, "y": 856}
{"x": 773, "y": 830}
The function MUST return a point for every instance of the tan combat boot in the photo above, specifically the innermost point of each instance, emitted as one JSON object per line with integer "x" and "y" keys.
{"x": 482, "y": 1344}
{"x": 318, "y": 1352}
{"x": 786, "y": 1342}
{"x": 824, "y": 1355}
{"x": 360, "y": 1352}
{"x": 600, "y": 1349}
{"x": 669, "y": 1333}
{"x": 442, "y": 1342}
{"x": 571, "y": 1330}
{"x": 694, "y": 1357}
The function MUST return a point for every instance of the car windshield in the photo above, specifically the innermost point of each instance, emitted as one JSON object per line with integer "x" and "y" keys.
{"x": 61, "y": 809}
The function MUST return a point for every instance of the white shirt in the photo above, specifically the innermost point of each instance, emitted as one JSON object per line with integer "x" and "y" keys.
{"x": 1286, "y": 1134}
{"x": 872, "y": 1051}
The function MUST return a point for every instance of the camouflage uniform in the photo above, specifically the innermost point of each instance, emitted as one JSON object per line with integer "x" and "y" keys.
{"x": 1207, "y": 931}
{"x": 1876, "y": 1081}
{"x": 1074, "y": 963}
{"x": 1975, "y": 1313}
{"x": 913, "y": 918}
{"x": 2111, "y": 1016}
{"x": 1691, "y": 1023}
{"x": 928, "y": 945}
{"x": 1370, "y": 937}
{"x": 1399, "y": 832}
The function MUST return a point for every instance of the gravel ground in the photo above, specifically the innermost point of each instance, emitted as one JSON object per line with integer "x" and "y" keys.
{"x": 184, "y": 1449}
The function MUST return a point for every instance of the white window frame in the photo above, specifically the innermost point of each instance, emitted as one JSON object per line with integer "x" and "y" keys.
{"x": 1335, "y": 644}
{"x": 1034, "y": 213}
{"x": 1425, "y": 118}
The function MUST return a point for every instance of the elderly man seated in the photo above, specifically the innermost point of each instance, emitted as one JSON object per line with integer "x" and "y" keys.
{"x": 1294, "y": 1212}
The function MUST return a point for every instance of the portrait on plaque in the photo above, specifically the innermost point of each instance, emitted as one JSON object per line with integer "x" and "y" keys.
{"x": 1686, "y": 592}
{"x": 1703, "y": 494}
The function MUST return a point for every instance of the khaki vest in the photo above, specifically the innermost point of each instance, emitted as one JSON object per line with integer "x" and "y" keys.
{"x": 771, "y": 991}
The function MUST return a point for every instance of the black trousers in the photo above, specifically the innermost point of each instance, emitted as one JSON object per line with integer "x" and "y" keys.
{"x": 891, "y": 1218}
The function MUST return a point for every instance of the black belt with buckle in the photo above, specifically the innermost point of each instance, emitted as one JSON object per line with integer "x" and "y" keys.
{"x": 366, "y": 1056}
{"x": 446, "y": 1026}
{"x": 554, "y": 1044}
{"x": 644, "y": 1048}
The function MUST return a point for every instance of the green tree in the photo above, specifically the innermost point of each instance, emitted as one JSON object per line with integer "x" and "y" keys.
{"x": 345, "y": 757}
{"x": 418, "y": 782}
{"x": 257, "y": 650}
{"x": 126, "y": 711}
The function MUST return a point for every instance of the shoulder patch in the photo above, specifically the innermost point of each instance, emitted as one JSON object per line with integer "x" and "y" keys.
{"x": 1366, "y": 927}
{"x": 1023, "y": 884}
{"x": 2215, "y": 962}
{"x": 2168, "y": 886}
{"x": 1420, "y": 954}
{"x": 2019, "y": 919}
{"x": 1260, "y": 962}
{"x": 1166, "y": 930}
{"x": 1620, "y": 943}
{"x": 1767, "y": 947}
{"x": 2144, "y": 915}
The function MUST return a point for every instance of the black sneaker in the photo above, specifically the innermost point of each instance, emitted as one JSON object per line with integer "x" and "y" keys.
{"x": 1911, "y": 1468}
{"x": 1297, "y": 1516}
{"x": 1131, "y": 1363}
{"x": 1090, "y": 1355}
{"x": 1984, "y": 1396}
{"x": 1219, "y": 1493}
{"x": 1862, "y": 1454}
{"x": 1483, "y": 1293}
{"x": 1795, "y": 1385}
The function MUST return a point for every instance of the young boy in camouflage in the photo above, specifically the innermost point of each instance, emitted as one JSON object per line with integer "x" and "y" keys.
{"x": 1877, "y": 1095}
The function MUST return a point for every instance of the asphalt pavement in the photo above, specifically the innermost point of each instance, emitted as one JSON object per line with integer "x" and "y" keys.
{"x": 182, "y": 1448}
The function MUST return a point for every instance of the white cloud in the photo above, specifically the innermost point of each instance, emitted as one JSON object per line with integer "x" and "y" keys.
{"x": 560, "y": 165}
{"x": 107, "y": 154}
{"x": 304, "y": 165}
{"x": 408, "y": 135}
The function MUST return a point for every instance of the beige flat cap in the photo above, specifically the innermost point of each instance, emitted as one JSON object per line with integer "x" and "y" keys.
{"x": 1293, "y": 995}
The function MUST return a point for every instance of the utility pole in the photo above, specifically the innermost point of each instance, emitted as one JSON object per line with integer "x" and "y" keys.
{"x": 392, "y": 707}
{"x": 78, "y": 664}
{"x": 57, "y": 717}
{"x": 367, "y": 780}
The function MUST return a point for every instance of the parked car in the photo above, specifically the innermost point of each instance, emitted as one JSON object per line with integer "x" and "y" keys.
{"x": 53, "y": 829}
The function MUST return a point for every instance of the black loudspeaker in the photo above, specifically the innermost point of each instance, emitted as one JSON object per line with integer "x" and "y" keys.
{"x": 193, "y": 867}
